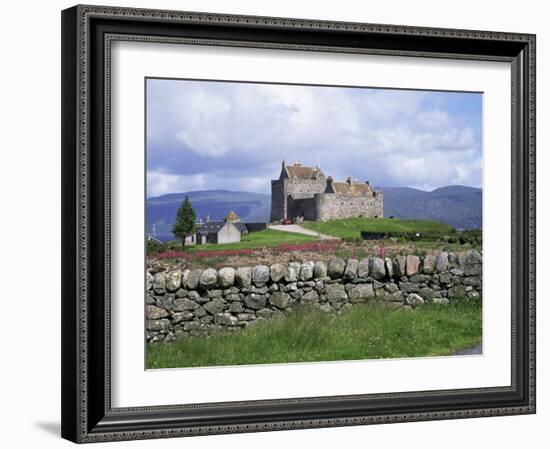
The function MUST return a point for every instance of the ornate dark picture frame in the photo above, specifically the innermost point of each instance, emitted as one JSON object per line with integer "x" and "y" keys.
{"x": 87, "y": 413}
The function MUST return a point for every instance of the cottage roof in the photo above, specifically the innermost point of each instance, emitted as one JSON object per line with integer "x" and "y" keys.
{"x": 350, "y": 188}
{"x": 301, "y": 172}
{"x": 213, "y": 227}
{"x": 210, "y": 227}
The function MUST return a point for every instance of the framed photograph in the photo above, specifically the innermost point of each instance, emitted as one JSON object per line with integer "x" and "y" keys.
{"x": 275, "y": 224}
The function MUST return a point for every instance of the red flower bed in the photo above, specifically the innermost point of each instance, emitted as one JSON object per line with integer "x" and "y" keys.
{"x": 201, "y": 254}
{"x": 323, "y": 246}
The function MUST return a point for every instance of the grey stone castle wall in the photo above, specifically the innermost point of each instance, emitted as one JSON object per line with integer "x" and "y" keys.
{"x": 303, "y": 188}
{"x": 278, "y": 200}
{"x": 201, "y": 302}
{"x": 303, "y": 207}
{"x": 332, "y": 206}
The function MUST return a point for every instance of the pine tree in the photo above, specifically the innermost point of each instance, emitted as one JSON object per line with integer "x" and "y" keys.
{"x": 185, "y": 221}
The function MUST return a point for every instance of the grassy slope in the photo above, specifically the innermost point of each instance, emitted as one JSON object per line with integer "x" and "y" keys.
{"x": 256, "y": 240}
{"x": 307, "y": 335}
{"x": 352, "y": 227}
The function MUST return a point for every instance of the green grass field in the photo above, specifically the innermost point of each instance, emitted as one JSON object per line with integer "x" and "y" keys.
{"x": 254, "y": 240}
{"x": 258, "y": 240}
{"x": 352, "y": 227}
{"x": 309, "y": 335}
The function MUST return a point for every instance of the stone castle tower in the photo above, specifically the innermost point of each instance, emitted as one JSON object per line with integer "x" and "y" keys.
{"x": 306, "y": 192}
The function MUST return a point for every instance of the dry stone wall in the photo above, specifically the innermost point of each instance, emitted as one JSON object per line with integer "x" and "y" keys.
{"x": 181, "y": 303}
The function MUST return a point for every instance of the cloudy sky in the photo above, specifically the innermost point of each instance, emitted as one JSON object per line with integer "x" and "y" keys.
{"x": 204, "y": 135}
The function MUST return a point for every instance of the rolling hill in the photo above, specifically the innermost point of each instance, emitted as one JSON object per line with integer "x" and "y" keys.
{"x": 458, "y": 206}
{"x": 251, "y": 207}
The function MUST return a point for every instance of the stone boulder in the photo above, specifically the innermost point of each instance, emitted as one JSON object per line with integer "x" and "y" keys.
{"x": 193, "y": 279}
{"x": 292, "y": 272}
{"x": 178, "y": 317}
{"x": 155, "y": 313}
{"x": 311, "y": 297}
{"x": 254, "y": 301}
{"x": 277, "y": 272}
{"x": 350, "y": 272}
{"x": 399, "y": 266}
{"x": 413, "y": 263}
{"x": 280, "y": 300}
{"x": 336, "y": 293}
{"x": 182, "y": 304}
{"x": 428, "y": 267}
{"x": 260, "y": 274}
{"x": 336, "y": 267}
{"x": 217, "y": 305}
{"x": 442, "y": 263}
{"x": 363, "y": 268}
{"x": 319, "y": 270}
{"x": 226, "y": 319}
{"x": 173, "y": 280}
{"x": 306, "y": 271}
{"x": 377, "y": 268}
{"x": 162, "y": 325}
{"x": 389, "y": 267}
{"x": 236, "y": 307}
{"x": 414, "y": 300}
{"x": 243, "y": 277}
{"x": 360, "y": 293}
{"x": 159, "y": 282}
{"x": 149, "y": 279}
{"x": 208, "y": 278}
{"x": 195, "y": 296}
{"x": 226, "y": 277}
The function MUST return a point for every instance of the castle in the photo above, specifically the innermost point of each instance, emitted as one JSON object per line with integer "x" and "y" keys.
{"x": 307, "y": 193}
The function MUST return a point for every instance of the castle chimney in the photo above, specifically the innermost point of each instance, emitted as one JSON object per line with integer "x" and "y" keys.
{"x": 206, "y": 218}
{"x": 329, "y": 188}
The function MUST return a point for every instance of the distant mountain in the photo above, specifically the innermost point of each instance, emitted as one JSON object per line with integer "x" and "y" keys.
{"x": 458, "y": 206}
{"x": 251, "y": 207}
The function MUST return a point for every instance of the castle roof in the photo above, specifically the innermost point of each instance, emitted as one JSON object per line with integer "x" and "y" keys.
{"x": 301, "y": 172}
{"x": 351, "y": 188}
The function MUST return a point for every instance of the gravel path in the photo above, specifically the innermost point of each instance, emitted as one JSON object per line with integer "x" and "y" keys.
{"x": 477, "y": 349}
{"x": 296, "y": 229}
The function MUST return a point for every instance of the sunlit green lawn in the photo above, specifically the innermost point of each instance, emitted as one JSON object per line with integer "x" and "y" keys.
{"x": 352, "y": 227}
{"x": 265, "y": 238}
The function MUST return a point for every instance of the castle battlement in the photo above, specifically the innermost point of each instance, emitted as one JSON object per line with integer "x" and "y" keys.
{"x": 306, "y": 192}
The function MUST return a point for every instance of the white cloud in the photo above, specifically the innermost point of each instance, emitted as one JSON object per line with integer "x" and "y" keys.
{"x": 241, "y": 132}
{"x": 160, "y": 183}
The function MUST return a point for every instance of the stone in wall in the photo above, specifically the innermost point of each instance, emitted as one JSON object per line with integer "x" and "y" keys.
{"x": 336, "y": 267}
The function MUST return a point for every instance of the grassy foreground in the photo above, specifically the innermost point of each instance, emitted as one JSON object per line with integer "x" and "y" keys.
{"x": 309, "y": 335}
{"x": 352, "y": 227}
